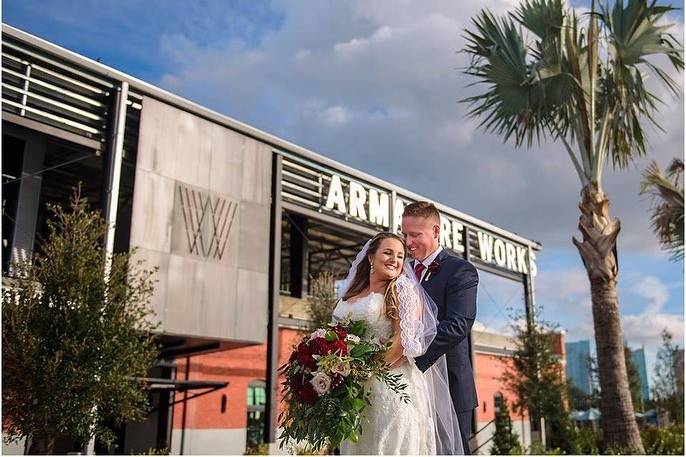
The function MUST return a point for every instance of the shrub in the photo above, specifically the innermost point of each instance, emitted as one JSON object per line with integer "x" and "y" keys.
{"x": 663, "y": 441}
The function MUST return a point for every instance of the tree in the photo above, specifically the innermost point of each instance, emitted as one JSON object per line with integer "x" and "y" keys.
{"x": 73, "y": 340}
{"x": 505, "y": 441}
{"x": 667, "y": 212}
{"x": 321, "y": 300}
{"x": 579, "y": 83}
{"x": 536, "y": 377}
{"x": 578, "y": 399}
{"x": 667, "y": 391}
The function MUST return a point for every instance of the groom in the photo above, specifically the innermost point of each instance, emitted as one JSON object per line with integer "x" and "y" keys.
{"x": 451, "y": 282}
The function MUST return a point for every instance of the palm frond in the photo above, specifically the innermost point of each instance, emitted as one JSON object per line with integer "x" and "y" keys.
{"x": 545, "y": 18}
{"x": 581, "y": 84}
{"x": 498, "y": 58}
{"x": 635, "y": 34}
{"x": 667, "y": 211}
{"x": 634, "y": 37}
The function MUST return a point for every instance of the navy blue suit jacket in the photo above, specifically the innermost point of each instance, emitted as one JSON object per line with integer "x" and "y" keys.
{"x": 453, "y": 289}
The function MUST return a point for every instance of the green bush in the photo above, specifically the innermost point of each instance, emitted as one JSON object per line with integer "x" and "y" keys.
{"x": 155, "y": 451}
{"x": 590, "y": 441}
{"x": 505, "y": 440}
{"x": 260, "y": 449}
{"x": 537, "y": 448}
{"x": 656, "y": 441}
{"x": 663, "y": 441}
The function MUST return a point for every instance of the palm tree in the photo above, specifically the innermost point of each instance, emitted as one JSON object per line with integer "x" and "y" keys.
{"x": 667, "y": 213}
{"x": 580, "y": 82}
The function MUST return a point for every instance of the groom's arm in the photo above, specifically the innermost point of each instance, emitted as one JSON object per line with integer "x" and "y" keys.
{"x": 460, "y": 315}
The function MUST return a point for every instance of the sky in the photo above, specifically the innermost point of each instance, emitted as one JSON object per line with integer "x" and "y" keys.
{"x": 376, "y": 85}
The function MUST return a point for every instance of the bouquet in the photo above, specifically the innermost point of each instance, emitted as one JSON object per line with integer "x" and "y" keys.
{"x": 325, "y": 384}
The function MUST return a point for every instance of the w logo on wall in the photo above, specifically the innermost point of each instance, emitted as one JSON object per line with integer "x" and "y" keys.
{"x": 207, "y": 220}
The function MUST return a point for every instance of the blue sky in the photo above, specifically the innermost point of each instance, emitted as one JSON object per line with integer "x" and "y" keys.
{"x": 375, "y": 85}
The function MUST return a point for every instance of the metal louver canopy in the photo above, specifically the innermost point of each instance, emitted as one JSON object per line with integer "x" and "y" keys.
{"x": 52, "y": 91}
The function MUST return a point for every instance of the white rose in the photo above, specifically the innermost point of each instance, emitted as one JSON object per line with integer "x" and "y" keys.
{"x": 321, "y": 383}
{"x": 342, "y": 368}
{"x": 319, "y": 333}
{"x": 352, "y": 339}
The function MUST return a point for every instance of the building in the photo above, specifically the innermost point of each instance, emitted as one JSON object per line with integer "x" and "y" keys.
{"x": 491, "y": 357}
{"x": 237, "y": 219}
{"x": 578, "y": 369}
{"x": 638, "y": 358}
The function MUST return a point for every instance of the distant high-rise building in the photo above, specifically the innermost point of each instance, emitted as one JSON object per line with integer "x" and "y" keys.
{"x": 638, "y": 357}
{"x": 578, "y": 370}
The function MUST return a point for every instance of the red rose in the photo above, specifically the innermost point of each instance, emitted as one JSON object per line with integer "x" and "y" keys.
{"x": 297, "y": 381}
{"x": 308, "y": 394}
{"x": 320, "y": 346}
{"x": 340, "y": 331}
{"x": 340, "y": 347}
{"x": 305, "y": 358}
{"x": 434, "y": 267}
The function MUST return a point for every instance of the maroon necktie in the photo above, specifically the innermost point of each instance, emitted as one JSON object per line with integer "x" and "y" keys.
{"x": 418, "y": 270}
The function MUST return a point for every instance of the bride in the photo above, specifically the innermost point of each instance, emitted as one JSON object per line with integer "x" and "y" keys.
{"x": 381, "y": 290}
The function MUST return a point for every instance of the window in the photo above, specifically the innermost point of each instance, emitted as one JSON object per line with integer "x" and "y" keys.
{"x": 497, "y": 402}
{"x": 256, "y": 401}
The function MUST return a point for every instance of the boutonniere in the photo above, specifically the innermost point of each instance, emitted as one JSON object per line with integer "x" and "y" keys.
{"x": 433, "y": 268}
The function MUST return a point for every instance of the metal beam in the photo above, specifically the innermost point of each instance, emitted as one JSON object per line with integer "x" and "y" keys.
{"x": 496, "y": 271}
{"x": 50, "y": 130}
{"x": 298, "y": 255}
{"x": 529, "y": 296}
{"x": 114, "y": 168}
{"x": 331, "y": 220}
{"x": 186, "y": 350}
{"x": 272, "y": 383}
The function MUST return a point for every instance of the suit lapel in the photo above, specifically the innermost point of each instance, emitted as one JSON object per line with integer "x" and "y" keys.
{"x": 432, "y": 286}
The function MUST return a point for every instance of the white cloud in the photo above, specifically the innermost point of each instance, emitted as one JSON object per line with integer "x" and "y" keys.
{"x": 366, "y": 61}
{"x": 645, "y": 329}
{"x": 336, "y": 115}
{"x": 653, "y": 289}
{"x": 565, "y": 297}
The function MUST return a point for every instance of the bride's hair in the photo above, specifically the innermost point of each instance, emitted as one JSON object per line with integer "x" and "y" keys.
{"x": 361, "y": 280}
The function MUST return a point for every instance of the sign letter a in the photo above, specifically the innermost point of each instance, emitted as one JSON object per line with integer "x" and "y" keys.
{"x": 336, "y": 197}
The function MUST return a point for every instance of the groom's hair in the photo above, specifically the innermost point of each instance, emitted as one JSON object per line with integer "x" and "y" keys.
{"x": 422, "y": 209}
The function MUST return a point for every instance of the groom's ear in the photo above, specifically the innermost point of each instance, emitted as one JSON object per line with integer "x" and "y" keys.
{"x": 437, "y": 231}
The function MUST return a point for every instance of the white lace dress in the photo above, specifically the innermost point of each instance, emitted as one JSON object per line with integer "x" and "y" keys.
{"x": 390, "y": 426}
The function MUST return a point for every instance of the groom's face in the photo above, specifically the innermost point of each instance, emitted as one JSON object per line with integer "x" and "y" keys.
{"x": 421, "y": 236}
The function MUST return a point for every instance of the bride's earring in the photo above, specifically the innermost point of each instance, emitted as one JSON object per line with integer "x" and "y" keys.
{"x": 371, "y": 268}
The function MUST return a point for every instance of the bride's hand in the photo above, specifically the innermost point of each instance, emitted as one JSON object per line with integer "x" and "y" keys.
{"x": 398, "y": 362}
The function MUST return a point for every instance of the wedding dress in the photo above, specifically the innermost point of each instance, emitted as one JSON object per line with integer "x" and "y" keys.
{"x": 390, "y": 426}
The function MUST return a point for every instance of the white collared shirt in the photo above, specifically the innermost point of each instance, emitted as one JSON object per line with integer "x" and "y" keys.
{"x": 426, "y": 262}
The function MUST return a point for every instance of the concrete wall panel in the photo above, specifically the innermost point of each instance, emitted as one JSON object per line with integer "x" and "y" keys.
{"x": 201, "y": 212}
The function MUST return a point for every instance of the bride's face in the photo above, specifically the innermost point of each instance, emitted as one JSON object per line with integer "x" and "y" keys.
{"x": 388, "y": 259}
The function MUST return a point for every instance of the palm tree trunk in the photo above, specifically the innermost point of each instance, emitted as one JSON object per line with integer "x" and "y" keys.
{"x": 599, "y": 253}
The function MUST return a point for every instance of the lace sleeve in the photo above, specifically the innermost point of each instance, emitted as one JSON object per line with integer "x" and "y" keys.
{"x": 410, "y": 316}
